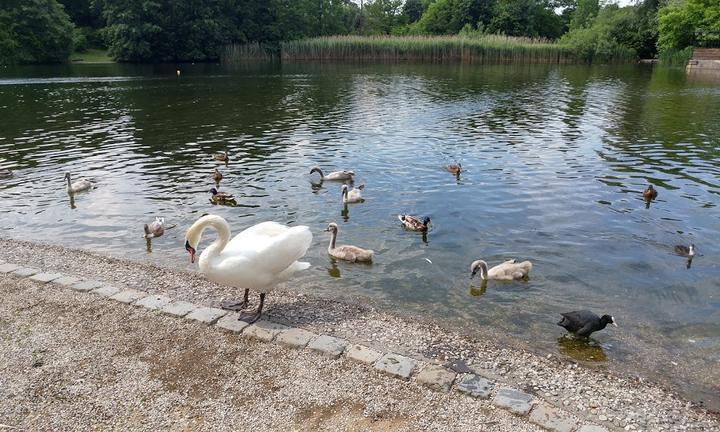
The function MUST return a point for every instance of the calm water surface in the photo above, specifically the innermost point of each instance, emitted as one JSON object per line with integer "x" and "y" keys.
{"x": 555, "y": 162}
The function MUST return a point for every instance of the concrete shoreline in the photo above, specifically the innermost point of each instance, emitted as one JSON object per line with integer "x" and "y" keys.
{"x": 543, "y": 391}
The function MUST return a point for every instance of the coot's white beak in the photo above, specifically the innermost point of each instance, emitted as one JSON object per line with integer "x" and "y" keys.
{"x": 614, "y": 323}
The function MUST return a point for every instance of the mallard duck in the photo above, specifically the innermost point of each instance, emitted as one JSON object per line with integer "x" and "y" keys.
{"x": 78, "y": 186}
{"x": 413, "y": 223}
{"x": 509, "y": 270}
{"x": 217, "y": 176}
{"x": 156, "y": 228}
{"x": 335, "y": 175}
{"x": 346, "y": 252}
{"x": 583, "y": 323}
{"x": 221, "y": 197}
{"x": 650, "y": 193}
{"x": 686, "y": 251}
{"x": 353, "y": 195}
{"x": 221, "y": 156}
{"x": 257, "y": 259}
{"x": 454, "y": 168}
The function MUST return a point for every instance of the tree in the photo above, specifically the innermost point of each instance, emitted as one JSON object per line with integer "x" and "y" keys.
{"x": 607, "y": 37}
{"x": 585, "y": 13}
{"x": 412, "y": 10}
{"x": 381, "y": 16}
{"x": 34, "y": 31}
{"x": 531, "y": 18}
{"x": 449, "y": 16}
{"x": 690, "y": 23}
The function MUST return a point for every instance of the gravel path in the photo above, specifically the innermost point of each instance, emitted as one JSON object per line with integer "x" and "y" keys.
{"x": 72, "y": 361}
{"x": 128, "y": 375}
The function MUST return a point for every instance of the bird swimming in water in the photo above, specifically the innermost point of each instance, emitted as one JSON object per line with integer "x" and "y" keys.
{"x": 413, "y": 223}
{"x": 454, "y": 168}
{"x": 222, "y": 156}
{"x": 583, "y": 323}
{"x": 221, "y": 197}
{"x": 650, "y": 193}
{"x": 217, "y": 176}
{"x": 155, "y": 228}
{"x": 686, "y": 251}
{"x": 335, "y": 175}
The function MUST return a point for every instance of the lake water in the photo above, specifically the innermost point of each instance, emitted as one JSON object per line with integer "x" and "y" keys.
{"x": 555, "y": 159}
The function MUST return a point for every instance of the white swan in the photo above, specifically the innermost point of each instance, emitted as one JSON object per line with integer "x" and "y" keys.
{"x": 257, "y": 259}
{"x": 353, "y": 195}
{"x": 509, "y": 270}
{"x": 335, "y": 175}
{"x": 78, "y": 186}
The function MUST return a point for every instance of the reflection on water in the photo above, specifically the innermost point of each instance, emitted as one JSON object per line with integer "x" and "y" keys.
{"x": 587, "y": 350}
{"x": 477, "y": 291}
{"x": 554, "y": 161}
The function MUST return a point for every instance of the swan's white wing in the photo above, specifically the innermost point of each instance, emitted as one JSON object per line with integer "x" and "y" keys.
{"x": 271, "y": 246}
{"x": 249, "y": 238}
{"x": 279, "y": 252}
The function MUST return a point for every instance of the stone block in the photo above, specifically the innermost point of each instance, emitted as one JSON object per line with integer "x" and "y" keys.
{"x": 26, "y": 271}
{"x": 552, "y": 418}
{"x": 295, "y": 338}
{"x": 153, "y": 302}
{"x": 66, "y": 281}
{"x": 44, "y": 278}
{"x": 86, "y": 286}
{"x": 513, "y": 400}
{"x": 207, "y": 315}
{"x": 232, "y": 323}
{"x": 475, "y": 386}
{"x": 106, "y": 291}
{"x": 328, "y": 345}
{"x": 128, "y": 296}
{"x": 396, "y": 365}
{"x": 591, "y": 428}
{"x": 363, "y": 354}
{"x": 8, "y": 268}
{"x": 264, "y": 330}
{"x": 436, "y": 377}
{"x": 178, "y": 308}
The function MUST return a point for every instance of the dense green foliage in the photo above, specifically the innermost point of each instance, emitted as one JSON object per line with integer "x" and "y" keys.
{"x": 689, "y": 23}
{"x": 34, "y": 31}
{"x": 202, "y": 30}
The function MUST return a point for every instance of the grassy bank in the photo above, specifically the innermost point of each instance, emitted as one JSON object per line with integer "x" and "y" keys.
{"x": 426, "y": 49}
{"x": 91, "y": 56}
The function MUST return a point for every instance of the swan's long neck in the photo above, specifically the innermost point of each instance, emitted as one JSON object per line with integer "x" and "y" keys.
{"x": 483, "y": 270}
{"x": 319, "y": 171}
{"x": 333, "y": 237}
{"x": 69, "y": 184}
{"x": 216, "y": 247}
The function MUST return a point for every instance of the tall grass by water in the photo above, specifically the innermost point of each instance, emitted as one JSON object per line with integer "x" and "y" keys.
{"x": 240, "y": 53}
{"x": 478, "y": 49}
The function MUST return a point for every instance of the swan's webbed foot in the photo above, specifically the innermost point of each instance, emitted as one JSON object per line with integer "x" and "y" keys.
{"x": 234, "y": 305}
{"x": 249, "y": 317}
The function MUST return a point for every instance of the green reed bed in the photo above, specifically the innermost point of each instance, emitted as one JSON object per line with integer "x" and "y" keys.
{"x": 428, "y": 49}
{"x": 251, "y": 52}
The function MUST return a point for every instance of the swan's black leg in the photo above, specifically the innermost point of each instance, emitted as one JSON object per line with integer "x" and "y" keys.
{"x": 234, "y": 305}
{"x": 256, "y": 316}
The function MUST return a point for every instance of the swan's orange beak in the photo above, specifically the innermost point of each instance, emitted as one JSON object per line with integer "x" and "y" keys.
{"x": 191, "y": 251}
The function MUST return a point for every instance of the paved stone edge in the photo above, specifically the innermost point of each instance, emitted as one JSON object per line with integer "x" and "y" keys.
{"x": 416, "y": 372}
